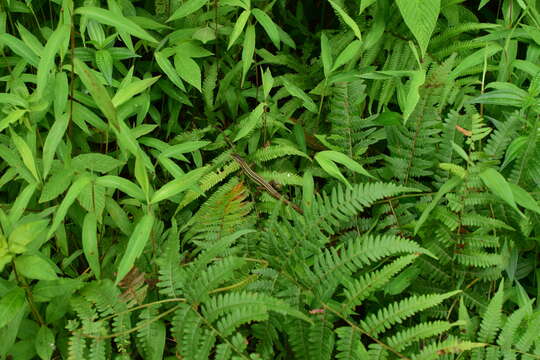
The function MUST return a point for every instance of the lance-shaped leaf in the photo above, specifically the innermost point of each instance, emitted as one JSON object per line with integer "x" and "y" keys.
{"x": 46, "y": 63}
{"x": 268, "y": 25}
{"x": 187, "y": 8}
{"x": 70, "y": 197}
{"x": 136, "y": 87}
{"x": 248, "y": 51}
{"x": 174, "y": 187}
{"x": 120, "y": 22}
{"x": 52, "y": 141}
{"x": 238, "y": 27}
{"x": 498, "y": 185}
{"x": 89, "y": 243}
{"x": 135, "y": 246}
{"x": 97, "y": 91}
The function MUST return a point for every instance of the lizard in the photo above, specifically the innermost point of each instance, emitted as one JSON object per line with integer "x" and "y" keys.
{"x": 262, "y": 182}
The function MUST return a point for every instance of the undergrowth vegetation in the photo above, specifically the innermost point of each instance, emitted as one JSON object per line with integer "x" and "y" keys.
{"x": 256, "y": 179}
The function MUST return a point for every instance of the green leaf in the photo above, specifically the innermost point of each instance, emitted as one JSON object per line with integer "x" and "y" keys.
{"x": 186, "y": 147}
{"x": 45, "y": 343}
{"x": 238, "y": 27}
{"x": 90, "y": 244}
{"x": 346, "y": 19}
{"x": 248, "y": 50}
{"x": 21, "y": 202}
{"x": 250, "y": 124}
{"x": 364, "y": 4}
{"x": 45, "y": 290}
{"x": 135, "y": 245}
{"x": 128, "y": 92}
{"x": 421, "y": 18}
{"x": 142, "y": 176}
{"x": 13, "y": 116}
{"x": 326, "y": 55}
{"x": 46, "y": 62}
{"x": 268, "y": 82}
{"x": 169, "y": 70}
{"x": 177, "y": 186}
{"x": 413, "y": 93}
{"x": 187, "y": 8}
{"x": 268, "y": 25}
{"x": 61, "y": 92}
{"x": 98, "y": 91}
{"x": 19, "y": 48}
{"x": 26, "y": 155}
{"x": 96, "y": 162}
{"x": 123, "y": 185}
{"x": 461, "y": 152}
{"x": 330, "y": 156}
{"x": 482, "y": 4}
{"x": 347, "y": 54}
{"x": 11, "y": 303}
{"x": 498, "y": 185}
{"x": 524, "y": 199}
{"x": 34, "y": 267}
{"x": 299, "y": 93}
{"x": 120, "y": 22}
{"x": 188, "y": 70}
{"x": 56, "y": 185}
{"x": 56, "y": 133}
{"x": 308, "y": 189}
{"x": 476, "y": 58}
{"x": 24, "y": 234}
{"x": 70, "y": 197}
{"x": 104, "y": 62}
{"x": 444, "y": 189}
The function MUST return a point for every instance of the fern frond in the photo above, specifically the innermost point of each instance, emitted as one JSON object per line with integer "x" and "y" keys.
{"x": 328, "y": 211}
{"x": 508, "y": 335}
{"x": 151, "y": 336}
{"x": 76, "y": 346}
{"x": 479, "y": 259}
{"x": 344, "y": 115}
{"x": 492, "y": 317}
{"x": 500, "y": 139}
{"x": 171, "y": 276}
{"x": 209, "y": 85}
{"x": 349, "y": 345}
{"x": 202, "y": 283}
{"x": 298, "y": 338}
{"x": 363, "y": 287}
{"x": 224, "y": 303}
{"x": 531, "y": 334}
{"x": 413, "y": 335}
{"x": 398, "y": 311}
{"x": 333, "y": 266}
{"x": 225, "y": 212}
{"x": 448, "y": 346}
{"x": 321, "y": 339}
{"x": 282, "y": 178}
{"x": 217, "y": 174}
{"x": 274, "y": 152}
{"x": 98, "y": 349}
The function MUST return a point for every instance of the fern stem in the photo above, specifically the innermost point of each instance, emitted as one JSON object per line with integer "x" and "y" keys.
{"x": 234, "y": 286}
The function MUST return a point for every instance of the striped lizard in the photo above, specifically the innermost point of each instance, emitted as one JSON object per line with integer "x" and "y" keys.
{"x": 262, "y": 182}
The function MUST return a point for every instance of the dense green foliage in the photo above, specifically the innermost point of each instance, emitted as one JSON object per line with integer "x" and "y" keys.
{"x": 256, "y": 179}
